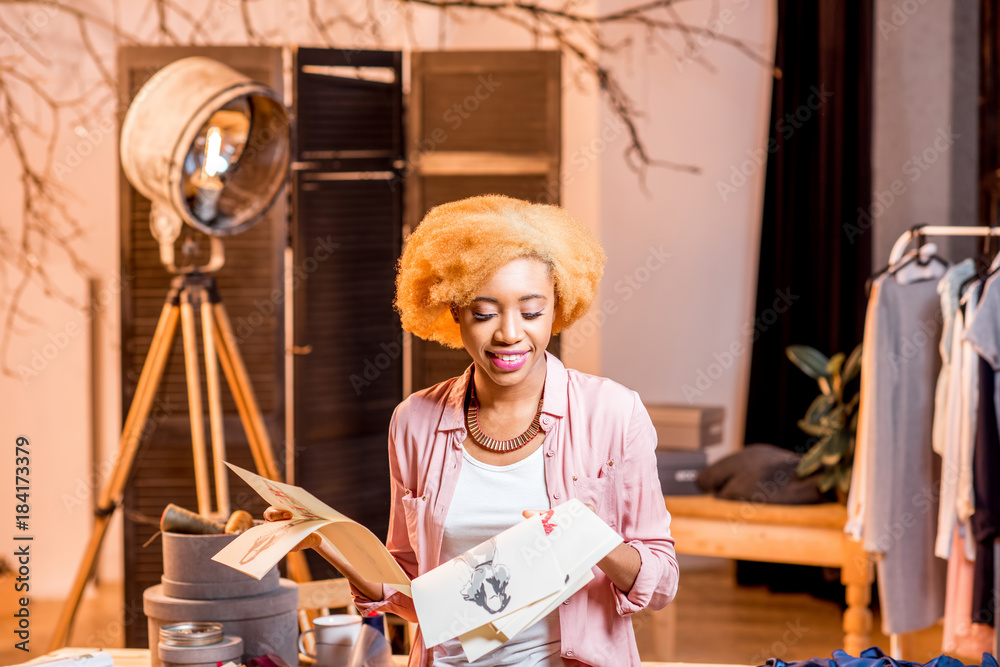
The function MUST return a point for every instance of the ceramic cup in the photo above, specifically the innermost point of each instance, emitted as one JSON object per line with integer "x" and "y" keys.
{"x": 332, "y": 655}
{"x": 331, "y": 633}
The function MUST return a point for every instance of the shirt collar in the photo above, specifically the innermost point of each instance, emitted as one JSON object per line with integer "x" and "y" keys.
{"x": 453, "y": 415}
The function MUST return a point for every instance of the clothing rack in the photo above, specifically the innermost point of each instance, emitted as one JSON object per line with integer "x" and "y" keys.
{"x": 898, "y": 250}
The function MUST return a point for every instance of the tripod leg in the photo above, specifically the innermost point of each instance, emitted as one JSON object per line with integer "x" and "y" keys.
{"x": 215, "y": 408}
{"x": 193, "y": 375}
{"x": 253, "y": 422}
{"x": 239, "y": 383}
{"x": 142, "y": 403}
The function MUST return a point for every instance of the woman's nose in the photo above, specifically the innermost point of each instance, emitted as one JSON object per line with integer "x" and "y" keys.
{"x": 510, "y": 329}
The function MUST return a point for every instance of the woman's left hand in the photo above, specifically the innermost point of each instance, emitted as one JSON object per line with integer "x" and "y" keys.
{"x": 621, "y": 565}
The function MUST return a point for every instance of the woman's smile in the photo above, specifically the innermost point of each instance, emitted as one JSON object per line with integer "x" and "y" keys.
{"x": 507, "y": 361}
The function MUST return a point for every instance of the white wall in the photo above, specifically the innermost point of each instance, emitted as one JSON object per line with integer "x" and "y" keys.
{"x": 656, "y": 341}
{"x": 676, "y": 324}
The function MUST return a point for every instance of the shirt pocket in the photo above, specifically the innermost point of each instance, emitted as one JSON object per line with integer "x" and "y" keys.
{"x": 414, "y": 508}
{"x": 598, "y": 491}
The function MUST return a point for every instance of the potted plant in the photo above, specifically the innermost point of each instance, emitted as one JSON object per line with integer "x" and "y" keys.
{"x": 832, "y": 418}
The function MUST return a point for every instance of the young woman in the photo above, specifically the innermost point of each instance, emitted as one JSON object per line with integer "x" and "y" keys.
{"x": 517, "y": 433}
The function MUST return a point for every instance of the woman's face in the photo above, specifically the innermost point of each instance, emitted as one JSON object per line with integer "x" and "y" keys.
{"x": 508, "y": 325}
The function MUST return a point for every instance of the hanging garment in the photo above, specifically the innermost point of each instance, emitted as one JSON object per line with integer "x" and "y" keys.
{"x": 899, "y": 485}
{"x": 960, "y": 635}
{"x": 949, "y": 289}
{"x": 964, "y": 496}
{"x": 854, "y": 526}
{"x": 949, "y": 411}
{"x": 984, "y": 334}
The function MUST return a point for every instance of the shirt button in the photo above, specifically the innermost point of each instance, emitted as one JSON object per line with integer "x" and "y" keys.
{"x": 550, "y": 452}
{"x": 565, "y": 601}
{"x": 556, "y": 495}
{"x": 569, "y": 652}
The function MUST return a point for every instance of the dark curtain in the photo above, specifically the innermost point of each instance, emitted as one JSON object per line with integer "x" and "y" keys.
{"x": 815, "y": 250}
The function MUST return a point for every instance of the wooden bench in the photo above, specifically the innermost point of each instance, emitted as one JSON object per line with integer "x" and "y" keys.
{"x": 796, "y": 534}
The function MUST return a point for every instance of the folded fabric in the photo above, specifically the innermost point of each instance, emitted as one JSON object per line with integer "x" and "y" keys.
{"x": 874, "y": 657}
{"x": 760, "y": 473}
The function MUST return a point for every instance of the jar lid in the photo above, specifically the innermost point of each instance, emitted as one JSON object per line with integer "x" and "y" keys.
{"x": 191, "y": 634}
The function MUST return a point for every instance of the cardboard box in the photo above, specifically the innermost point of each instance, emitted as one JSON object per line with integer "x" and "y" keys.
{"x": 678, "y": 471}
{"x": 686, "y": 427}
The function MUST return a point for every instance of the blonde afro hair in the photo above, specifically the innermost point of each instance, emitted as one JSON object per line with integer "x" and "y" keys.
{"x": 459, "y": 245}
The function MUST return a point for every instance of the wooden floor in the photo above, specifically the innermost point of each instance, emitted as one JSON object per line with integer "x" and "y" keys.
{"x": 717, "y": 621}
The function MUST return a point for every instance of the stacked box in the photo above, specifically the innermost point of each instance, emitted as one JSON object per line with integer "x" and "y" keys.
{"x": 678, "y": 471}
{"x": 682, "y": 433}
{"x": 195, "y": 588}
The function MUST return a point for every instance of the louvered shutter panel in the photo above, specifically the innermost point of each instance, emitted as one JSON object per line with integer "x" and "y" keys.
{"x": 480, "y": 122}
{"x": 348, "y": 196}
{"x": 164, "y": 468}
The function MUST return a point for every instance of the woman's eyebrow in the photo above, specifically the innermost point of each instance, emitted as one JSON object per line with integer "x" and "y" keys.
{"x": 527, "y": 297}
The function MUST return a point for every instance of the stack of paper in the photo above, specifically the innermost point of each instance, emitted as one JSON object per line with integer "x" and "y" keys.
{"x": 530, "y": 570}
{"x": 484, "y": 597}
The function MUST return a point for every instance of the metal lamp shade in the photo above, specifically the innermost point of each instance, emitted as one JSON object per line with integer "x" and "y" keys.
{"x": 168, "y": 115}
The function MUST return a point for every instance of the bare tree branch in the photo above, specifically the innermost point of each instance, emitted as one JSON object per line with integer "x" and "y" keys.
{"x": 32, "y": 113}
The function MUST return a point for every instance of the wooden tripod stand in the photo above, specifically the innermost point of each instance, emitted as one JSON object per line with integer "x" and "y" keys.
{"x": 188, "y": 292}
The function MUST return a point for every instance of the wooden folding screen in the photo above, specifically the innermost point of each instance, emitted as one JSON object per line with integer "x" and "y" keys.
{"x": 480, "y": 122}
{"x": 347, "y": 188}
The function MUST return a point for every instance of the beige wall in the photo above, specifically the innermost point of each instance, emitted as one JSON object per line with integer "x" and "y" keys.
{"x": 925, "y": 122}
{"x": 682, "y": 270}
{"x": 656, "y": 341}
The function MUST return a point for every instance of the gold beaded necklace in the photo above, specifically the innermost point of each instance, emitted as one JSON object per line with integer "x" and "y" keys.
{"x": 485, "y": 441}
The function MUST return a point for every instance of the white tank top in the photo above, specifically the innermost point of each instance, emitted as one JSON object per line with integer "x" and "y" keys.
{"x": 488, "y": 500}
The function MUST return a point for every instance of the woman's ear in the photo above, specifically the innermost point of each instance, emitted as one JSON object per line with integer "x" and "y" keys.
{"x": 454, "y": 313}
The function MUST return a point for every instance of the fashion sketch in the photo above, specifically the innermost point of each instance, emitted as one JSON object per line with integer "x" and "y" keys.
{"x": 487, "y": 584}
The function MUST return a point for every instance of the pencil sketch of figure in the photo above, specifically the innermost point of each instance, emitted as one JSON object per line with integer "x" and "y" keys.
{"x": 487, "y": 585}
{"x": 265, "y": 541}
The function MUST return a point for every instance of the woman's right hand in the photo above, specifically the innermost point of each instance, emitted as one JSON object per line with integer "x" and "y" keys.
{"x": 312, "y": 541}
{"x": 370, "y": 590}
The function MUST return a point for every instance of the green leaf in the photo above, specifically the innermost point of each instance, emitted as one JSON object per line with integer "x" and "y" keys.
{"x": 852, "y": 366}
{"x": 815, "y": 430}
{"x": 828, "y": 479}
{"x": 812, "y": 459}
{"x": 810, "y": 361}
{"x": 819, "y": 408}
{"x": 836, "y": 361}
{"x": 836, "y": 447}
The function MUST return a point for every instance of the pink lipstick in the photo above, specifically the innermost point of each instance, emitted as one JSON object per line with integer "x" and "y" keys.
{"x": 508, "y": 361}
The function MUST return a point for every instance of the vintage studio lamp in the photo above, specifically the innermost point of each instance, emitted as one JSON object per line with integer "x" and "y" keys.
{"x": 210, "y": 148}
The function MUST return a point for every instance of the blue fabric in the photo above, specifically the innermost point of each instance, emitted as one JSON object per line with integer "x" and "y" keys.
{"x": 873, "y": 657}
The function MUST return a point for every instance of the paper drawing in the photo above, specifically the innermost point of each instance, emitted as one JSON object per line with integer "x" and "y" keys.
{"x": 488, "y": 578}
{"x": 259, "y": 549}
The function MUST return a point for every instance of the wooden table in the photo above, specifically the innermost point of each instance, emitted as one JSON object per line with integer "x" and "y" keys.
{"x": 139, "y": 657}
{"x": 796, "y": 534}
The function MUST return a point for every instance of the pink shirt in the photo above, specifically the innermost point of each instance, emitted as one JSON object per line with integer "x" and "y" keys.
{"x": 599, "y": 447}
